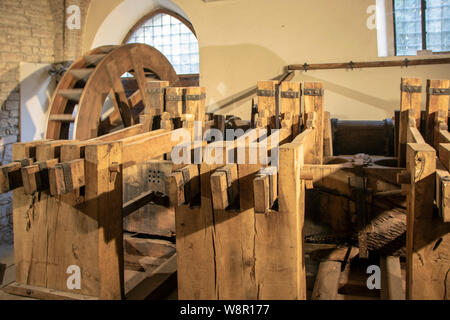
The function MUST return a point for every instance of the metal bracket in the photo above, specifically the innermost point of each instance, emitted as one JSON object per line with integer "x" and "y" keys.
{"x": 439, "y": 91}
{"x": 313, "y": 92}
{"x": 195, "y": 97}
{"x": 411, "y": 89}
{"x": 155, "y": 90}
{"x": 290, "y": 94}
{"x": 266, "y": 93}
{"x": 174, "y": 97}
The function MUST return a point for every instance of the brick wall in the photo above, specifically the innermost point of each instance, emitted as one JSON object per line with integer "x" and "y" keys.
{"x": 30, "y": 31}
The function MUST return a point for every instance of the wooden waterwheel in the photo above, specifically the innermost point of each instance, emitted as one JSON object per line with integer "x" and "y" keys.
{"x": 78, "y": 109}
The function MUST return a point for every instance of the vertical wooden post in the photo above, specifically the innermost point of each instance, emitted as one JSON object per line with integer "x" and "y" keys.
{"x": 438, "y": 98}
{"x": 411, "y": 95}
{"x": 314, "y": 103}
{"x": 428, "y": 239}
{"x": 104, "y": 196}
{"x": 291, "y": 93}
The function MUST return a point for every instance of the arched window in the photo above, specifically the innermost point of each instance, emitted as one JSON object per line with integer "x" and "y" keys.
{"x": 171, "y": 34}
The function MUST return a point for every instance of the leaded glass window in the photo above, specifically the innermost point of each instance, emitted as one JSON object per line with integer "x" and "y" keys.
{"x": 173, "y": 38}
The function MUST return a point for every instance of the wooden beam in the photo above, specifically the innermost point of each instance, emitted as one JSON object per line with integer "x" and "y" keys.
{"x": 327, "y": 136}
{"x": 104, "y": 197}
{"x": 143, "y": 200}
{"x": 371, "y": 64}
{"x": 66, "y": 177}
{"x": 391, "y": 279}
{"x": 443, "y": 191}
{"x": 327, "y": 281}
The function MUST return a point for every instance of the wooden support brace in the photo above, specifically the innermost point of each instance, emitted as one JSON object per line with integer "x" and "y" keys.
{"x": 444, "y": 155}
{"x": 314, "y": 102}
{"x": 265, "y": 189}
{"x": 327, "y": 281}
{"x": 224, "y": 187}
{"x": 391, "y": 279}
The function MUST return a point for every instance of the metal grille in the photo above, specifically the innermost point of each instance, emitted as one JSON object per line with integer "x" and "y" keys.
{"x": 173, "y": 38}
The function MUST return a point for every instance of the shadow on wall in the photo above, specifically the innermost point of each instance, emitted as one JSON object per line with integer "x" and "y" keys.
{"x": 233, "y": 71}
{"x": 386, "y": 105}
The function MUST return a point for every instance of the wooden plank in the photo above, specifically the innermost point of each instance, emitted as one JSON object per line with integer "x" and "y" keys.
{"x": 143, "y": 200}
{"x": 155, "y": 281}
{"x": 43, "y": 293}
{"x": 151, "y": 147}
{"x": 104, "y": 196}
{"x": 437, "y": 109}
{"x": 315, "y": 104}
{"x": 391, "y": 279}
{"x": 409, "y": 100}
{"x": 327, "y": 281}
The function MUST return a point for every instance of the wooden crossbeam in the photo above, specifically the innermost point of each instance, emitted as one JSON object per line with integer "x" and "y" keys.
{"x": 443, "y": 191}
{"x": 144, "y": 199}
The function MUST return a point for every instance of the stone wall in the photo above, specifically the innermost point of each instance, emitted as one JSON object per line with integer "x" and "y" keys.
{"x": 30, "y": 31}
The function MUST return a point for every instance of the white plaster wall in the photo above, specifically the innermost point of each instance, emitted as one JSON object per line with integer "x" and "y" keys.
{"x": 36, "y": 90}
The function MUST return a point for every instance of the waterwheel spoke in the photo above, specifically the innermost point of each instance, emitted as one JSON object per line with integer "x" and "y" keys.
{"x": 119, "y": 98}
{"x": 139, "y": 72}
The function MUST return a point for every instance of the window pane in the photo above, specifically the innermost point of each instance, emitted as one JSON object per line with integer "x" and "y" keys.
{"x": 408, "y": 28}
{"x": 438, "y": 25}
{"x": 173, "y": 38}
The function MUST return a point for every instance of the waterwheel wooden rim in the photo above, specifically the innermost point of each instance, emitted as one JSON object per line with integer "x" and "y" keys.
{"x": 89, "y": 81}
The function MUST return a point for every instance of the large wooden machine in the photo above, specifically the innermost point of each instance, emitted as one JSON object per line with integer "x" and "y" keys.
{"x": 105, "y": 192}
